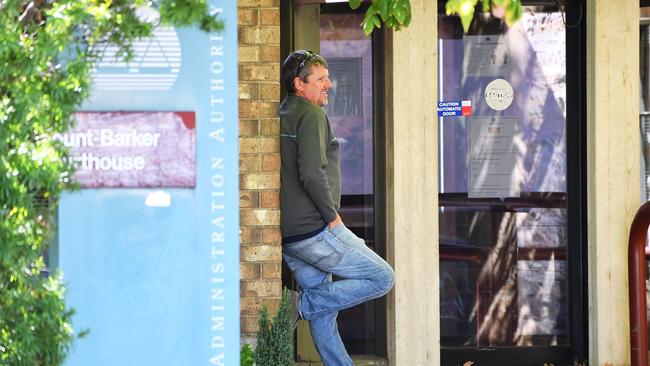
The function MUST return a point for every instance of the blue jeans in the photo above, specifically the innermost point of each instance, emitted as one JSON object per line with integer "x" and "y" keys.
{"x": 364, "y": 276}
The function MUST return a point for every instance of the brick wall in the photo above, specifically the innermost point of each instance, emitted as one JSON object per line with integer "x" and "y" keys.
{"x": 259, "y": 159}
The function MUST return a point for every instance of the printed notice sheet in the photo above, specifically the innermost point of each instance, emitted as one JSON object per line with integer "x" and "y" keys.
{"x": 486, "y": 56}
{"x": 492, "y": 157}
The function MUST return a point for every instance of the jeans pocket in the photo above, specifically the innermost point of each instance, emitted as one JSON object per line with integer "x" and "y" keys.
{"x": 342, "y": 233}
{"x": 316, "y": 251}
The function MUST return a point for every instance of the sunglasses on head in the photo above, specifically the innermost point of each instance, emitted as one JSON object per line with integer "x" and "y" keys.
{"x": 308, "y": 56}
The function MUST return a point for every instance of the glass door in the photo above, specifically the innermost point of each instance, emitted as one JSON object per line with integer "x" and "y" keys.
{"x": 510, "y": 249}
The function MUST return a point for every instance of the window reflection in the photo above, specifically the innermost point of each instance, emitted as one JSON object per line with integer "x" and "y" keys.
{"x": 349, "y": 56}
{"x": 503, "y": 272}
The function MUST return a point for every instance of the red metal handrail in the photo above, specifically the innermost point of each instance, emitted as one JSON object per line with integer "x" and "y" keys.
{"x": 637, "y": 286}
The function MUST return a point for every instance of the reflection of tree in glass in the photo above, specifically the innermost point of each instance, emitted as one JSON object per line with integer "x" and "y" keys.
{"x": 499, "y": 274}
{"x": 343, "y": 103}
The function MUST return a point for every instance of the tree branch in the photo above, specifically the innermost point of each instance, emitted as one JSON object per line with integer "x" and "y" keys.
{"x": 32, "y": 9}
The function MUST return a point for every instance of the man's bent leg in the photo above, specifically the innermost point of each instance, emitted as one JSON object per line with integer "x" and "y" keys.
{"x": 364, "y": 274}
{"x": 324, "y": 330}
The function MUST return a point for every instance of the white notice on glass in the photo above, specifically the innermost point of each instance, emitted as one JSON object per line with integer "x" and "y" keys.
{"x": 499, "y": 94}
{"x": 486, "y": 56}
{"x": 492, "y": 157}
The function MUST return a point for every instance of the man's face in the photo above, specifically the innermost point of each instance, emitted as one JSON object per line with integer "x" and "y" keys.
{"x": 316, "y": 87}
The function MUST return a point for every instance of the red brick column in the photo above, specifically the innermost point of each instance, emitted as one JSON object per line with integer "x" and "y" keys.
{"x": 259, "y": 159}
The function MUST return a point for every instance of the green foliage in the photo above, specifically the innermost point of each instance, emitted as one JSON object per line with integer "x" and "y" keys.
{"x": 395, "y": 13}
{"x": 509, "y": 10}
{"x": 275, "y": 339}
{"x": 247, "y": 357}
{"x": 47, "y": 49}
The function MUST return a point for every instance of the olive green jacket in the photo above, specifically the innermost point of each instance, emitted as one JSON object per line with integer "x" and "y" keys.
{"x": 310, "y": 191}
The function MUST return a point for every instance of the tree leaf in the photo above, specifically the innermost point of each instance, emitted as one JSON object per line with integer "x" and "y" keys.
{"x": 355, "y": 4}
{"x": 486, "y": 5}
{"x": 383, "y": 7}
{"x": 368, "y": 26}
{"x": 400, "y": 14}
{"x": 513, "y": 12}
{"x": 375, "y": 21}
{"x": 466, "y": 12}
{"x": 407, "y": 7}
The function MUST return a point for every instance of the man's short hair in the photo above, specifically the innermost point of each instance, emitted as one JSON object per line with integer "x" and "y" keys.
{"x": 299, "y": 64}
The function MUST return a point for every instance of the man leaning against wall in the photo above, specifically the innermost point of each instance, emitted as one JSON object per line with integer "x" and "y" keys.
{"x": 316, "y": 244}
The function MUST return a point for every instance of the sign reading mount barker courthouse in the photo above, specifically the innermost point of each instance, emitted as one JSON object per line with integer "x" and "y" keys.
{"x": 133, "y": 149}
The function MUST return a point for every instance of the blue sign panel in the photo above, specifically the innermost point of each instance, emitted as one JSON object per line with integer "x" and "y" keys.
{"x": 455, "y": 108}
{"x": 154, "y": 273}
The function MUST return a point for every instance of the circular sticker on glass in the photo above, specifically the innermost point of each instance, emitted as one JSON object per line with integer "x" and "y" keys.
{"x": 499, "y": 94}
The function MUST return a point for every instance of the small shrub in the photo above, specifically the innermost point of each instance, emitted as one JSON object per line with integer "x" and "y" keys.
{"x": 247, "y": 356}
{"x": 275, "y": 338}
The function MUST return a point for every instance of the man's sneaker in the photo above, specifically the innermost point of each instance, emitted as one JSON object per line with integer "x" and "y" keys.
{"x": 294, "y": 302}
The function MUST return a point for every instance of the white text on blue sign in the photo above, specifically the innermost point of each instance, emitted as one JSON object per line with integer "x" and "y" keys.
{"x": 455, "y": 108}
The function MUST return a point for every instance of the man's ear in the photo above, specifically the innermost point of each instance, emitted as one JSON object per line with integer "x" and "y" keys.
{"x": 297, "y": 83}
